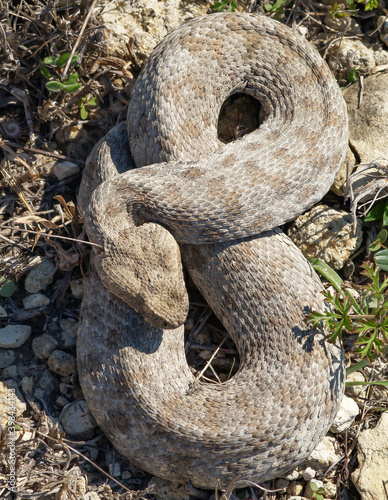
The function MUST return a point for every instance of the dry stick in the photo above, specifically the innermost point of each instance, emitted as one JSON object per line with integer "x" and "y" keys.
{"x": 41, "y": 151}
{"x": 52, "y": 235}
{"x": 209, "y": 362}
{"x": 79, "y": 38}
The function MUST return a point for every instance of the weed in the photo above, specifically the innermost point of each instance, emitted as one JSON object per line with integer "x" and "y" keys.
{"x": 56, "y": 64}
{"x": 221, "y": 5}
{"x": 380, "y": 211}
{"x": 317, "y": 491}
{"x": 85, "y": 103}
{"x": 7, "y": 287}
{"x": 277, "y": 8}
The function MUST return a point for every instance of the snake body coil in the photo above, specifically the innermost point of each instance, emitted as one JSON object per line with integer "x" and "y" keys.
{"x": 222, "y": 205}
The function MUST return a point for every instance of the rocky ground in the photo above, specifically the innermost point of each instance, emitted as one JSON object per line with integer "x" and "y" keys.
{"x": 57, "y": 449}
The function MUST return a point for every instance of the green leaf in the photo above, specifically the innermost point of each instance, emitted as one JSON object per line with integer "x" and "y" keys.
{"x": 267, "y": 7}
{"x": 376, "y": 212}
{"x": 72, "y": 88}
{"x": 381, "y": 259}
{"x": 385, "y": 214}
{"x": 93, "y": 101}
{"x": 327, "y": 272}
{"x": 63, "y": 59}
{"x": 73, "y": 78}
{"x": 50, "y": 60}
{"x": 45, "y": 72}
{"x": 7, "y": 287}
{"x": 83, "y": 112}
{"x": 374, "y": 246}
{"x": 371, "y": 4}
{"x": 54, "y": 86}
{"x": 374, "y": 382}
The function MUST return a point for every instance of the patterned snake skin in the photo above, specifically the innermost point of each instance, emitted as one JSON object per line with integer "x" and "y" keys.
{"x": 217, "y": 208}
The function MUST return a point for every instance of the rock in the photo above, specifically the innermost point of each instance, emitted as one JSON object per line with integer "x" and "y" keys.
{"x": 144, "y": 23}
{"x": 11, "y": 399}
{"x": 91, "y": 495}
{"x": 27, "y": 385}
{"x": 114, "y": 469}
{"x": 35, "y": 300}
{"x": 65, "y": 169}
{"x": 325, "y": 454}
{"x": 282, "y": 484}
{"x": 3, "y": 312}
{"x": 295, "y": 488}
{"x": 40, "y": 277}
{"x": 69, "y": 332}
{"x": 61, "y": 401}
{"x": 383, "y": 23}
{"x": 7, "y": 357}
{"x": 166, "y": 490}
{"x": 309, "y": 474}
{"x": 10, "y": 372}
{"x": 44, "y": 345}
{"x": 364, "y": 176}
{"x": 48, "y": 382}
{"x": 371, "y": 477}
{"x": 345, "y": 417}
{"x": 369, "y": 122}
{"x": 77, "y": 421}
{"x": 77, "y": 288}
{"x": 327, "y": 234}
{"x": 357, "y": 389}
{"x": 13, "y": 336}
{"x": 348, "y": 25}
{"x": 330, "y": 489}
{"x": 348, "y": 53}
{"x": 61, "y": 363}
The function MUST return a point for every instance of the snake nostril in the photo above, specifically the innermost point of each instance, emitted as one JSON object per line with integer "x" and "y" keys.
{"x": 240, "y": 114}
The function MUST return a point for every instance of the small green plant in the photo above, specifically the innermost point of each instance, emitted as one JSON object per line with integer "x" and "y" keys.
{"x": 317, "y": 491}
{"x": 221, "y": 5}
{"x": 380, "y": 212}
{"x": 366, "y": 316}
{"x": 56, "y": 64}
{"x": 7, "y": 287}
{"x": 277, "y": 8}
{"x": 85, "y": 103}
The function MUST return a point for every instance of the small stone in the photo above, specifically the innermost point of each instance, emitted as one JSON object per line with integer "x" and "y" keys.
{"x": 371, "y": 477}
{"x": 77, "y": 421}
{"x": 345, "y": 417}
{"x": 3, "y": 312}
{"x": 383, "y": 23}
{"x": 35, "y": 300}
{"x": 349, "y": 53}
{"x": 325, "y": 454}
{"x": 282, "y": 484}
{"x": 65, "y": 169}
{"x": 309, "y": 474}
{"x": 44, "y": 345}
{"x": 126, "y": 475}
{"x": 295, "y": 488}
{"x": 13, "y": 336}
{"x": 327, "y": 234}
{"x": 355, "y": 390}
{"x": 77, "y": 288}
{"x": 205, "y": 354}
{"x": 61, "y": 363}
{"x": 40, "y": 277}
{"x": 91, "y": 495}
{"x": 10, "y": 372}
{"x": 115, "y": 469}
{"x": 330, "y": 489}
{"x": 80, "y": 486}
{"x": 347, "y": 24}
{"x": 27, "y": 385}
{"x": 48, "y": 382}
{"x": 7, "y": 357}
{"x": 69, "y": 332}
{"x": 61, "y": 401}
{"x": 168, "y": 490}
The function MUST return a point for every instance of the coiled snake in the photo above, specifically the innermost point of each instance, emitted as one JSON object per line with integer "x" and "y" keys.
{"x": 222, "y": 205}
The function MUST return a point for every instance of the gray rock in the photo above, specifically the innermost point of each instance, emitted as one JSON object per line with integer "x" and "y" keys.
{"x": 27, "y": 385}
{"x": 69, "y": 332}
{"x": 61, "y": 363}
{"x": 167, "y": 490}
{"x": 40, "y": 277}
{"x": 44, "y": 345}
{"x": 368, "y": 124}
{"x": 348, "y": 53}
{"x": 77, "y": 288}
{"x": 383, "y": 22}
{"x": 65, "y": 169}
{"x": 7, "y": 357}
{"x": 327, "y": 234}
{"x": 77, "y": 421}
{"x": 10, "y": 372}
{"x": 13, "y": 336}
{"x": 345, "y": 416}
{"x": 35, "y": 300}
{"x": 371, "y": 477}
{"x": 3, "y": 312}
{"x": 48, "y": 382}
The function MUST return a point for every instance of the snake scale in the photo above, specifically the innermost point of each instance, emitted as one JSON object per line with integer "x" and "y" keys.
{"x": 216, "y": 208}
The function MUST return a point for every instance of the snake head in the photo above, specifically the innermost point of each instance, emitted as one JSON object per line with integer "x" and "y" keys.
{"x": 139, "y": 264}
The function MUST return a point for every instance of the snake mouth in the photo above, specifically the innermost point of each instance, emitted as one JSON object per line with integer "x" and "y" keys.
{"x": 240, "y": 114}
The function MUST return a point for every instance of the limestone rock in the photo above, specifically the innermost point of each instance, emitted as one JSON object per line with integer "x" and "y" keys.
{"x": 7, "y": 357}
{"x": 35, "y": 300}
{"x": 65, "y": 169}
{"x": 349, "y": 53}
{"x": 40, "y": 277}
{"x": 345, "y": 417}
{"x": 77, "y": 421}
{"x": 144, "y": 23}
{"x": 325, "y": 454}
{"x": 371, "y": 477}
{"x": 61, "y": 363}
{"x": 327, "y": 234}
{"x": 369, "y": 122}
{"x": 357, "y": 389}
{"x": 13, "y": 336}
{"x": 44, "y": 345}
{"x": 166, "y": 490}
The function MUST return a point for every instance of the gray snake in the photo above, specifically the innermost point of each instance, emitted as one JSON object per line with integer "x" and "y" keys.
{"x": 217, "y": 208}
